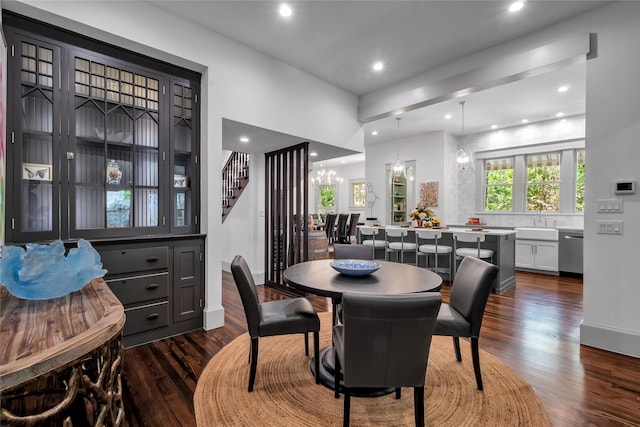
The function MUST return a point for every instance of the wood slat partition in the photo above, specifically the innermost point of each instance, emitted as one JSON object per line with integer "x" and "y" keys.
{"x": 286, "y": 210}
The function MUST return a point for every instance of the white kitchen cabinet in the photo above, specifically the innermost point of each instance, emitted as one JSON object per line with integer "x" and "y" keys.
{"x": 537, "y": 255}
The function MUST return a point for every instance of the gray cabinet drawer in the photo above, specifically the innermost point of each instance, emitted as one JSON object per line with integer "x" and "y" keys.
{"x": 118, "y": 261}
{"x": 147, "y": 317}
{"x": 130, "y": 290}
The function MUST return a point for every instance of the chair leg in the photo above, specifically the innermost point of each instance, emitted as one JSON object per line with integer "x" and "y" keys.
{"x": 347, "y": 408}
{"x": 418, "y": 405}
{"x": 456, "y": 347}
{"x": 306, "y": 343}
{"x": 336, "y": 378}
{"x": 398, "y": 393}
{"x": 475, "y": 354}
{"x": 254, "y": 362}
{"x": 316, "y": 354}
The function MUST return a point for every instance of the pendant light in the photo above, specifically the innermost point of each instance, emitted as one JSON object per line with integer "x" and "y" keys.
{"x": 398, "y": 169}
{"x": 464, "y": 156}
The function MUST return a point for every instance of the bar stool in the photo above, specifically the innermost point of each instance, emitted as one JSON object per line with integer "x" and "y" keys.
{"x": 433, "y": 249}
{"x": 471, "y": 237}
{"x": 367, "y": 237}
{"x": 395, "y": 246}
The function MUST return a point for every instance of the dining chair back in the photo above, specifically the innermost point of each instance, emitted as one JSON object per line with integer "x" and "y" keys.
{"x": 353, "y": 225}
{"x": 347, "y": 251}
{"x": 343, "y": 228}
{"x": 395, "y": 237}
{"x": 384, "y": 341}
{"x": 280, "y": 317}
{"x": 462, "y": 317}
{"x": 329, "y": 226}
{"x": 424, "y": 235}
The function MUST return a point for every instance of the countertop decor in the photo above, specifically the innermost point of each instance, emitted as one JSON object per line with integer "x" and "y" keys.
{"x": 42, "y": 271}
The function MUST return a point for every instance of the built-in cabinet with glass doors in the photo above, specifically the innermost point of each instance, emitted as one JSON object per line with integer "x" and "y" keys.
{"x": 103, "y": 145}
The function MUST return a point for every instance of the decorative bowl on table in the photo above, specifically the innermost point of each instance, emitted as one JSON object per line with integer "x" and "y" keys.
{"x": 355, "y": 267}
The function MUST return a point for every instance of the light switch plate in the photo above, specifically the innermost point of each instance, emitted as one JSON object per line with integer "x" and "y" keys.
{"x": 610, "y": 227}
{"x": 609, "y": 205}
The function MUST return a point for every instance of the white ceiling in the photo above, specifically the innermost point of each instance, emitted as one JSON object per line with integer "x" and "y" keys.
{"x": 338, "y": 41}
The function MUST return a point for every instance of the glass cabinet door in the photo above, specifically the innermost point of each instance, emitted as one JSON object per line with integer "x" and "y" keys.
{"x": 37, "y": 142}
{"x": 116, "y": 157}
{"x": 184, "y": 158}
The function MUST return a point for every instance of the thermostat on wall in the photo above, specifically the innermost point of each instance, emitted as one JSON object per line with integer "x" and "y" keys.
{"x": 625, "y": 187}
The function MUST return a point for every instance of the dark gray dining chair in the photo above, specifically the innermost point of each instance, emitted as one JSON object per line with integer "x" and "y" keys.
{"x": 353, "y": 225}
{"x": 462, "y": 317}
{"x": 384, "y": 341}
{"x": 342, "y": 229}
{"x": 346, "y": 251}
{"x": 280, "y": 317}
{"x": 329, "y": 227}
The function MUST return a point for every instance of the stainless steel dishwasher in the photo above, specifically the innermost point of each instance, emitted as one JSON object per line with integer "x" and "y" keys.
{"x": 570, "y": 248}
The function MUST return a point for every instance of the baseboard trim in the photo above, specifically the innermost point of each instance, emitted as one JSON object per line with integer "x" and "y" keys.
{"x": 610, "y": 339}
{"x": 213, "y": 318}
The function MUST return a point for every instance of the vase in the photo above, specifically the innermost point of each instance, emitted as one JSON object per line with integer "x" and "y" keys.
{"x": 419, "y": 223}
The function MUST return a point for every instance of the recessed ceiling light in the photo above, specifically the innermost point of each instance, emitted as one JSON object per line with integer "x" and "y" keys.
{"x": 560, "y": 114}
{"x": 313, "y": 154}
{"x": 563, "y": 120}
{"x": 516, "y": 6}
{"x": 525, "y": 120}
{"x": 562, "y": 89}
{"x": 448, "y": 116}
{"x": 285, "y": 10}
{"x": 378, "y": 66}
{"x": 374, "y": 133}
{"x": 244, "y": 139}
{"x": 494, "y": 126}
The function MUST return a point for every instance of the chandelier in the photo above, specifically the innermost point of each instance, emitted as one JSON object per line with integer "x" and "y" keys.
{"x": 326, "y": 177}
{"x": 464, "y": 156}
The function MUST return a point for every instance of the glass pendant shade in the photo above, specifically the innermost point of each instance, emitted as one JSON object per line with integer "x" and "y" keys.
{"x": 464, "y": 158}
{"x": 398, "y": 169}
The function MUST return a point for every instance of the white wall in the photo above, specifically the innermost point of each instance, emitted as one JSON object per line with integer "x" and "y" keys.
{"x": 427, "y": 150}
{"x": 611, "y": 290}
{"x": 238, "y": 83}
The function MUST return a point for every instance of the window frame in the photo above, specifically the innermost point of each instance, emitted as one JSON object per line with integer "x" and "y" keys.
{"x": 568, "y": 163}
{"x": 352, "y": 184}
{"x": 486, "y": 186}
{"x": 543, "y": 184}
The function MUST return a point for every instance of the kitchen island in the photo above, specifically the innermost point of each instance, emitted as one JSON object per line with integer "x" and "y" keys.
{"x": 502, "y": 241}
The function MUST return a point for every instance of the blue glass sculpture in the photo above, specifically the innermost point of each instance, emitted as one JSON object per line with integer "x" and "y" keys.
{"x": 43, "y": 272}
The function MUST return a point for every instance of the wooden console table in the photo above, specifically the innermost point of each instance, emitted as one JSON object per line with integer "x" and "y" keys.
{"x": 60, "y": 359}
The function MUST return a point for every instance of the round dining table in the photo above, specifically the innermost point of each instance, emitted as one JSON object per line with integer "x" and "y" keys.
{"x": 392, "y": 278}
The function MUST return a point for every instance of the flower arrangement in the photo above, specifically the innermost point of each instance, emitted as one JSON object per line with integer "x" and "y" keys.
{"x": 423, "y": 214}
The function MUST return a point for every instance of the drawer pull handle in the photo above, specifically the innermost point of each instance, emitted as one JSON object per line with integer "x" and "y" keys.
{"x": 152, "y": 286}
{"x": 153, "y": 259}
{"x": 153, "y": 316}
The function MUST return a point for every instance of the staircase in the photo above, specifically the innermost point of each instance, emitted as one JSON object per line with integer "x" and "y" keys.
{"x": 235, "y": 177}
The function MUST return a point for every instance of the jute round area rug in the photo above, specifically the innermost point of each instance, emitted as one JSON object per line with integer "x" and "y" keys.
{"x": 285, "y": 392}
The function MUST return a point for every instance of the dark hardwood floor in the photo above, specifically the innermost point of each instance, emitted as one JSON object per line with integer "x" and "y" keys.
{"x": 533, "y": 327}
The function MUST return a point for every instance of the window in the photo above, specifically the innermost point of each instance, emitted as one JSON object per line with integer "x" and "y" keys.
{"x": 580, "y": 155}
{"x": 498, "y": 182}
{"x": 358, "y": 193}
{"x": 327, "y": 197}
{"x": 543, "y": 182}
